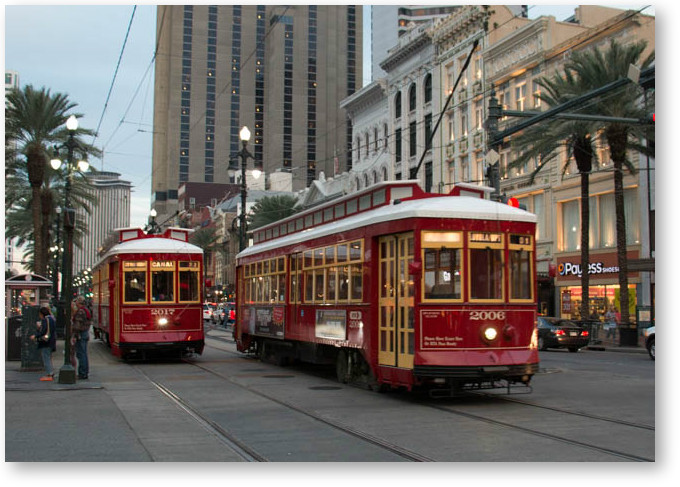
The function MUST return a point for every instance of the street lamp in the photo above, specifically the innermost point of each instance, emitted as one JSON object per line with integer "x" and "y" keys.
{"x": 152, "y": 227}
{"x": 67, "y": 373}
{"x": 244, "y": 135}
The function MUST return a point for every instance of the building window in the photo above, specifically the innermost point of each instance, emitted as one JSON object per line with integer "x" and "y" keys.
{"x": 412, "y": 146}
{"x": 397, "y": 105}
{"x": 428, "y": 88}
{"x": 412, "y": 98}
{"x": 520, "y": 96}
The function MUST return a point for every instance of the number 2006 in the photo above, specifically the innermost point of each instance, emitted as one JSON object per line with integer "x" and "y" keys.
{"x": 487, "y": 315}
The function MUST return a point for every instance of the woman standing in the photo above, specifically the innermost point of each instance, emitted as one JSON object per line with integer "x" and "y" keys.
{"x": 46, "y": 337}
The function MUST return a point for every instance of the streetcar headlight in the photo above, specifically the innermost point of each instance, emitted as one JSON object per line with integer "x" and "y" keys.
{"x": 490, "y": 333}
{"x": 162, "y": 321}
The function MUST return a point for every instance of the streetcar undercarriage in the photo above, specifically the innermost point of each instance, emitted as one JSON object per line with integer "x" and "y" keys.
{"x": 351, "y": 367}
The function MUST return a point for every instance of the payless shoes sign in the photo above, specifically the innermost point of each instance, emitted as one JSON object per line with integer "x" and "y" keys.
{"x": 601, "y": 267}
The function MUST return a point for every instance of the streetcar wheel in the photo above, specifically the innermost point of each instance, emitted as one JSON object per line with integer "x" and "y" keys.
{"x": 342, "y": 367}
{"x": 541, "y": 344}
{"x": 573, "y": 349}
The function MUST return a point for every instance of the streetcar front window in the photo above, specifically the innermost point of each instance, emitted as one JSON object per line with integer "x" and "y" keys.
{"x": 443, "y": 265}
{"x": 486, "y": 271}
{"x": 162, "y": 281}
{"x": 135, "y": 282}
{"x": 521, "y": 271}
{"x": 189, "y": 279}
{"x": 443, "y": 273}
{"x": 486, "y": 266}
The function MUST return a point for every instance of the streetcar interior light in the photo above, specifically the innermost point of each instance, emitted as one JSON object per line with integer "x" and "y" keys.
{"x": 490, "y": 333}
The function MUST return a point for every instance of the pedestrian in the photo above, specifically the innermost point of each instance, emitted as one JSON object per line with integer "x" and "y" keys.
{"x": 611, "y": 320}
{"x": 46, "y": 338}
{"x": 81, "y": 321}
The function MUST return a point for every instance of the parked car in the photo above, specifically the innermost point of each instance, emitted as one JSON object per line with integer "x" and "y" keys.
{"x": 208, "y": 312}
{"x": 561, "y": 333}
{"x": 649, "y": 342}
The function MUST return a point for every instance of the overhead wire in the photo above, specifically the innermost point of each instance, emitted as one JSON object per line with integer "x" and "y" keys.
{"x": 115, "y": 74}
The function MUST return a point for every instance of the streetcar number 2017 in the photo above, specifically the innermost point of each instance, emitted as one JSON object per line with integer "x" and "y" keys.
{"x": 487, "y": 315}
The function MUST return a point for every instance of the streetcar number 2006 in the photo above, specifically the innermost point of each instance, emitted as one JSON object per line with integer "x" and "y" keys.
{"x": 487, "y": 315}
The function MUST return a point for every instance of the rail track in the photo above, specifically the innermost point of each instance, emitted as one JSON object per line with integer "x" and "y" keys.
{"x": 507, "y": 413}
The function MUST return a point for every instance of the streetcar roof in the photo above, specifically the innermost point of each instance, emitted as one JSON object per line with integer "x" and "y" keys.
{"x": 463, "y": 207}
{"x": 152, "y": 245}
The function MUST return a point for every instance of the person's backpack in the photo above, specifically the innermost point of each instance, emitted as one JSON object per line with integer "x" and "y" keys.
{"x": 83, "y": 325}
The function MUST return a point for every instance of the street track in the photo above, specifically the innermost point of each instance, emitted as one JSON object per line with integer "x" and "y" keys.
{"x": 543, "y": 434}
{"x": 507, "y": 413}
{"x": 239, "y": 446}
{"x": 566, "y": 411}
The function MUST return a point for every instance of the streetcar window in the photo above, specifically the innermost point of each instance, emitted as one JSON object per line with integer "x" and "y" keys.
{"x": 486, "y": 273}
{"x": 340, "y": 210}
{"x": 162, "y": 281}
{"x": 357, "y": 282}
{"x": 443, "y": 265}
{"x": 189, "y": 279}
{"x": 486, "y": 266}
{"x": 520, "y": 267}
{"x": 135, "y": 282}
{"x": 355, "y": 251}
{"x": 343, "y": 283}
{"x": 443, "y": 273}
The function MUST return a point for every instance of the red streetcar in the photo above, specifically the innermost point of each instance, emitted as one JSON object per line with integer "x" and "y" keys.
{"x": 398, "y": 288}
{"x": 148, "y": 294}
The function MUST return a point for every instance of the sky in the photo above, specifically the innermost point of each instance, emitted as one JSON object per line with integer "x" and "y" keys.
{"x": 76, "y": 49}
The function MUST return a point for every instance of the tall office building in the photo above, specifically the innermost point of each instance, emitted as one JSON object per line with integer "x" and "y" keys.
{"x": 112, "y": 211}
{"x": 280, "y": 70}
{"x": 13, "y": 254}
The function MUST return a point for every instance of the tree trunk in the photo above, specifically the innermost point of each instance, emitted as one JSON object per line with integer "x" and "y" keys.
{"x": 617, "y": 137}
{"x": 585, "y": 245}
{"x": 36, "y": 162}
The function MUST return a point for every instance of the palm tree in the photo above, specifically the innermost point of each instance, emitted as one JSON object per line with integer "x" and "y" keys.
{"x": 545, "y": 142}
{"x": 596, "y": 68}
{"x": 33, "y": 119}
{"x": 271, "y": 209}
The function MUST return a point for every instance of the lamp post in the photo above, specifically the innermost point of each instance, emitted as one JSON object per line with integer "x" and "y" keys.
{"x": 244, "y": 135}
{"x": 152, "y": 227}
{"x": 67, "y": 373}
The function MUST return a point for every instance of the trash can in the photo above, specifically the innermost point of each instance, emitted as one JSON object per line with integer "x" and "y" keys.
{"x": 13, "y": 338}
{"x": 30, "y": 357}
{"x": 628, "y": 336}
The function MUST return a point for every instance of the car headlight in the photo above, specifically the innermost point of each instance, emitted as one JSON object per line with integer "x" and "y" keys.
{"x": 490, "y": 333}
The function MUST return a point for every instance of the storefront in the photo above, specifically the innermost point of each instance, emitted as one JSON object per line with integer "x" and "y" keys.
{"x": 604, "y": 291}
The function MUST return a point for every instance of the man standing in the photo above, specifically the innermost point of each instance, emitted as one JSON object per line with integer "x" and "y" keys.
{"x": 82, "y": 319}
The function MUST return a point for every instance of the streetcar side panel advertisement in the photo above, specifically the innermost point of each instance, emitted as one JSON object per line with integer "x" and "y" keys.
{"x": 267, "y": 321}
{"x": 331, "y": 323}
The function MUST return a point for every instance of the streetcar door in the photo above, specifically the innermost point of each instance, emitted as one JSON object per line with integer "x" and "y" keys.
{"x": 396, "y": 316}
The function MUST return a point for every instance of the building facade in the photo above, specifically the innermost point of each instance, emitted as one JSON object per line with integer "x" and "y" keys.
{"x": 280, "y": 70}
{"x": 512, "y": 66}
{"x": 111, "y": 211}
